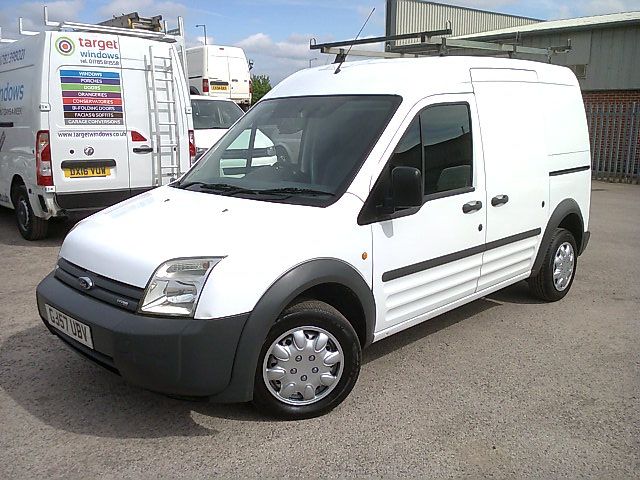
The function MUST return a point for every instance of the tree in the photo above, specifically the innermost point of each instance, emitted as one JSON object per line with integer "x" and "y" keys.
{"x": 261, "y": 86}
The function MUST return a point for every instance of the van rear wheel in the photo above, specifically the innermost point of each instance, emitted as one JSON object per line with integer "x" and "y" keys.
{"x": 556, "y": 275}
{"x": 30, "y": 226}
{"x": 309, "y": 362}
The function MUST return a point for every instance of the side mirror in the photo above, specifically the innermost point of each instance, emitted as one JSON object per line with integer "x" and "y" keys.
{"x": 406, "y": 187}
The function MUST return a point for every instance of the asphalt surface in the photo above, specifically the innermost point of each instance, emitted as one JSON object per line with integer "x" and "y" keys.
{"x": 503, "y": 387}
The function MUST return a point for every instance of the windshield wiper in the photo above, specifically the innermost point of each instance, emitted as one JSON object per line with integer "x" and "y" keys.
{"x": 294, "y": 191}
{"x": 219, "y": 187}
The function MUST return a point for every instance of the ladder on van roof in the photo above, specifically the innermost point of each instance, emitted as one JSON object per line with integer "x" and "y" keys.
{"x": 160, "y": 35}
{"x": 163, "y": 111}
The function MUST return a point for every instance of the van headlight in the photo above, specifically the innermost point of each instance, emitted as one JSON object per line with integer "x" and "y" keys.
{"x": 175, "y": 287}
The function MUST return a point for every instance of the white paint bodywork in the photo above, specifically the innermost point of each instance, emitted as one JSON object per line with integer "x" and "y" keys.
{"x": 515, "y": 124}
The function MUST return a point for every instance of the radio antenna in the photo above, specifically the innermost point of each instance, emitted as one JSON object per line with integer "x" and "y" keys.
{"x": 344, "y": 57}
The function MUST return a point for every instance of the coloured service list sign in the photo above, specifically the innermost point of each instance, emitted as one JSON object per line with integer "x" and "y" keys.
{"x": 91, "y": 97}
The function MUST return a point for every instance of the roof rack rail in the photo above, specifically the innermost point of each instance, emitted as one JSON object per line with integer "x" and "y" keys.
{"x": 161, "y": 36}
{"x": 429, "y": 46}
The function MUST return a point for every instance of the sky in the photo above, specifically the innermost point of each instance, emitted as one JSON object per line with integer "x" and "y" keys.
{"x": 275, "y": 33}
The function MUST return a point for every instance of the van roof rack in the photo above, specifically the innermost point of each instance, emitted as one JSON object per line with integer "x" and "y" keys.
{"x": 430, "y": 46}
{"x": 162, "y": 35}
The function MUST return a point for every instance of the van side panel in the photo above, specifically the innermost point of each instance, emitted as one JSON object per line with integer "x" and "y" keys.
{"x": 568, "y": 151}
{"x": 21, "y": 65}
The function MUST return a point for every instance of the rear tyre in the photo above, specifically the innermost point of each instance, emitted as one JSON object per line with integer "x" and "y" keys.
{"x": 30, "y": 226}
{"x": 309, "y": 362}
{"x": 556, "y": 275}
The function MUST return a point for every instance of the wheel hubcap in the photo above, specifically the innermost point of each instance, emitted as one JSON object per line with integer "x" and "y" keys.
{"x": 22, "y": 211}
{"x": 303, "y": 365}
{"x": 563, "y": 264}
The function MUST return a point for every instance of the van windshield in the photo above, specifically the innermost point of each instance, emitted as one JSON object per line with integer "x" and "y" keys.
{"x": 208, "y": 114}
{"x": 298, "y": 149}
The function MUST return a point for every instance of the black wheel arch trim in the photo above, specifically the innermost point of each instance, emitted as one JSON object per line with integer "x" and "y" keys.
{"x": 280, "y": 294}
{"x": 566, "y": 207}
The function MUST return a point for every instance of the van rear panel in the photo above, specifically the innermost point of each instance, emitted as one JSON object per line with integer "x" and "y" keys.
{"x": 102, "y": 120}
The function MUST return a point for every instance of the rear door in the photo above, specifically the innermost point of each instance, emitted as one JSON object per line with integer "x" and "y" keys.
{"x": 218, "y": 75}
{"x": 239, "y": 76}
{"x": 157, "y": 140}
{"x": 88, "y": 134}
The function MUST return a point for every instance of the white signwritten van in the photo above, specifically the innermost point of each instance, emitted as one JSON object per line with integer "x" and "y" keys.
{"x": 88, "y": 119}
{"x": 401, "y": 189}
{"x": 220, "y": 71}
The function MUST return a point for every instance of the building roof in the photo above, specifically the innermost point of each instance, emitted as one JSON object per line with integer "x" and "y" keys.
{"x": 580, "y": 23}
{"x": 477, "y": 10}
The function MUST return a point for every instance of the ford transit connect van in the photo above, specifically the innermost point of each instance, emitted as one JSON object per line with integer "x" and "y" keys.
{"x": 87, "y": 120}
{"x": 400, "y": 190}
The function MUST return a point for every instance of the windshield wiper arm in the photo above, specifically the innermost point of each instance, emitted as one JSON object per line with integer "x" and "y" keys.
{"x": 220, "y": 187}
{"x": 295, "y": 190}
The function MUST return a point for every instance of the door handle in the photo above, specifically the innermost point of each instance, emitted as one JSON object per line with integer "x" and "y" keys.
{"x": 499, "y": 200}
{"x": 142, "y": 149}
{"x": 472, "y": 206}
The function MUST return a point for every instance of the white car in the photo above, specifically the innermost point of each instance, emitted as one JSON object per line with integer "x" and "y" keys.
{"x": 212, "y": 117}
{"x": 399, "y": 189}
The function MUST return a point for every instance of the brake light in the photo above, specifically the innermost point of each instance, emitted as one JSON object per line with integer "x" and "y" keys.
{"x": 44, "y": 172}
{"x": 137, "y": 137}
{"x": 205, "y": 85}
{"x": 192, "y": 147}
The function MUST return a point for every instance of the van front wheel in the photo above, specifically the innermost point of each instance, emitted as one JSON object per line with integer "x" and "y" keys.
{"x": 30, "y": 226}
{"x": 309, "y": 362}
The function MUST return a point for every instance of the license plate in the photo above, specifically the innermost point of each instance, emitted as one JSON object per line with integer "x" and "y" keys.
{"x": 219, "y": 87}
{"x": 87, "y": 172}
{"x": 72, "y": 327}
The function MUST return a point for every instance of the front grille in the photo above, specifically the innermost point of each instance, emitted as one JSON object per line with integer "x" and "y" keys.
{"x": 109, "y": 291}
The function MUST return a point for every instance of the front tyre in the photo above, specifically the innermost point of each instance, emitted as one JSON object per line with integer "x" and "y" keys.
{"x": 309, "y": 362}
{"x": 556, "y": 275}
{"x": 30, "y": 226}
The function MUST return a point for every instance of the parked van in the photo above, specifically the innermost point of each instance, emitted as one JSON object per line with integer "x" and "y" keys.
{"x": 85, "y": 123}
{"x": 220, "y": 71}
{"x": 212, "y": 117}
{"x": 402, "y": 189}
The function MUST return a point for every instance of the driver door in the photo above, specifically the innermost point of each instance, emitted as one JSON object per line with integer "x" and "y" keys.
{"x": 431, "y": 258}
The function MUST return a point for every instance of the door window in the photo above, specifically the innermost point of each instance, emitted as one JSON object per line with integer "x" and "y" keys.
{"x": 438, "y": 143}
{"x": 448, "y": 148}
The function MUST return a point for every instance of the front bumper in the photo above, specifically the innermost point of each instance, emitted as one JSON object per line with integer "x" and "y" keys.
{"x": 184, "y": 357}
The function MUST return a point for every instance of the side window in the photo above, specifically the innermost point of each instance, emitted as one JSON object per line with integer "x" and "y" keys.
{"x": 408, "y": 151}
{"x": 448, "y": 147}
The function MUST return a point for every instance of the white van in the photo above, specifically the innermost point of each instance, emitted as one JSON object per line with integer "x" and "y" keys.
{"x": 85, "y": 123}
{"x": 402, "y": 189}
{"x": 220, "y": 71}
{"x": 212, "y": 117}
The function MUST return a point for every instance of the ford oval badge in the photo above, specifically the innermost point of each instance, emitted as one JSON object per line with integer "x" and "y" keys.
{"x": 85, "y": 283}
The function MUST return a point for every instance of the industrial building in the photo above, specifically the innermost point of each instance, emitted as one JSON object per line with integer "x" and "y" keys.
{"x": 604, "y": 54}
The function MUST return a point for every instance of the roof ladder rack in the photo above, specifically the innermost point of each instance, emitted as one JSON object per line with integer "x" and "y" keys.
{"x": 429, "y": 46}
{"x": 131, "y": 32}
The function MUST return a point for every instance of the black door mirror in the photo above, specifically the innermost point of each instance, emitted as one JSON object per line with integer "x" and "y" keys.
{"x": 406, "y": 187}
